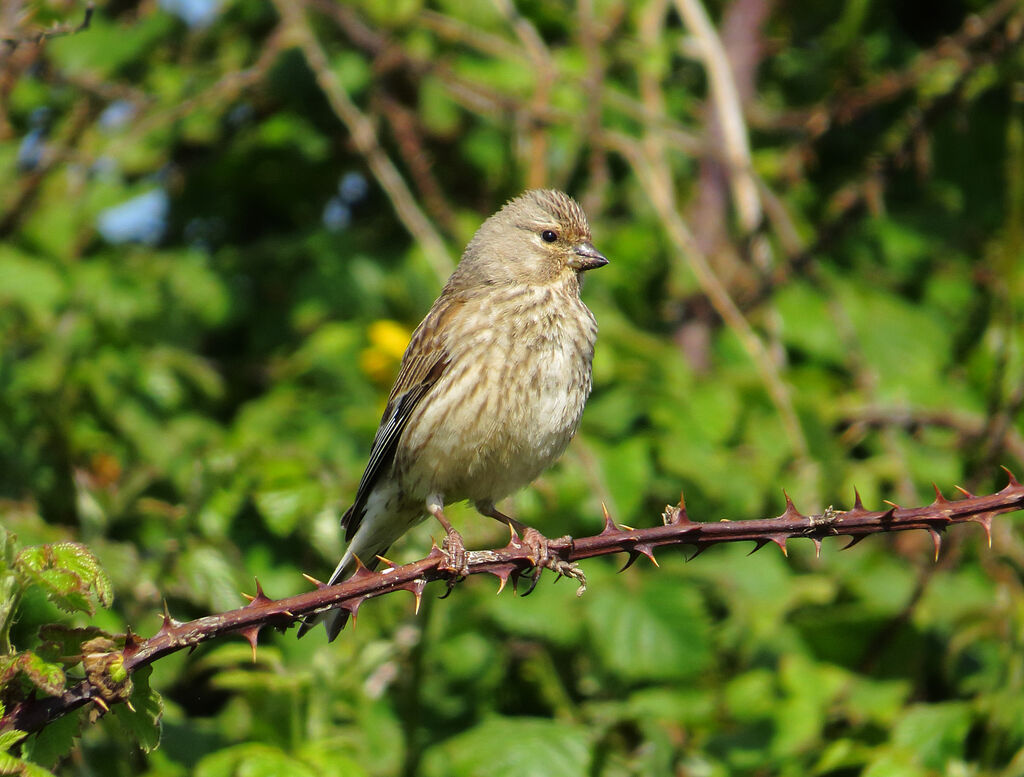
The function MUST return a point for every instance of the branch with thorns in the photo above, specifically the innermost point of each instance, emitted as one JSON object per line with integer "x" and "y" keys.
{"x": 513, "y": 562}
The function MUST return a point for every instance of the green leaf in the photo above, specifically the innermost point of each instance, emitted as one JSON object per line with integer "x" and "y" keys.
{"x": 286, "y": 494}
{"x": 11, "y": 765}
{"x": 205, "y": 572}
{"x": 108, "y": 46}
{"x": 48, "y": 678}
{"x": 513, "y": 747}
{"x": 69, "y": 573}
{"x": 656, "y": 631}
{"x": 254, "y": 760}
{"x": 31, "y": 285}
{"x": 10, "y": 738}
{"x": 143, "y": 723}
{"x": 55, "y": 741}
{"x": 935, "y": 733}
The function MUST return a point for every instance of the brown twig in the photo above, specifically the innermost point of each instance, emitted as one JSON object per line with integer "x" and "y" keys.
{"x": 364, "y": 137}
{"x": 510, "y": 562}
{"x": 728, "y": 111}
{"x": 56, "y": 31}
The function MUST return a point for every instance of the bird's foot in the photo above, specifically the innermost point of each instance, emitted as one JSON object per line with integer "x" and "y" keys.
{"x": 545, "y": 554}
{"x": 456, "y": 557}
{"x": 454, "y": 549}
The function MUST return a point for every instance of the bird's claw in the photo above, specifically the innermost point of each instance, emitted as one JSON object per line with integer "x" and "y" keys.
{"x": 544, "y": 555}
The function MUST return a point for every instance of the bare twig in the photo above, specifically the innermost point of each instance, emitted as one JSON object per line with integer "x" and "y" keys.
{"x": 725, "y": 100}
{"x": 510, "y": 562}
{"x": 658, "y": 186}
{"x": 56, "y": 31}
{"x": 545, "y": 72}
{"x": 364, "y": 136}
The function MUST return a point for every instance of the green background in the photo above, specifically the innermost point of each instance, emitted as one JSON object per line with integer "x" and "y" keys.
{"x": 207, "y": 279}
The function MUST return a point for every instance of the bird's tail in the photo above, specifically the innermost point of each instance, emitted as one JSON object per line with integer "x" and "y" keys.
{"x": 336, "y": 619}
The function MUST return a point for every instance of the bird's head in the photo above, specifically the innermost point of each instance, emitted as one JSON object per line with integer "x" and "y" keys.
{"x": 540, "y": 237}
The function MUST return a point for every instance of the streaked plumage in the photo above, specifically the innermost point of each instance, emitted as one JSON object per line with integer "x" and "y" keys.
{"x": 492, "y": 385}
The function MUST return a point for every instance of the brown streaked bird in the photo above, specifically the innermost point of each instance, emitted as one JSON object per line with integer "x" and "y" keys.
{"x": 490, "y": 390}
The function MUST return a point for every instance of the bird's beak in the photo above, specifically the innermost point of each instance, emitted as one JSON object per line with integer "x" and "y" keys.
{"x": 586, "y": 257}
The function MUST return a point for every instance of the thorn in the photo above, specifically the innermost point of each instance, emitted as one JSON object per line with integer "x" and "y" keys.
{"x": 888, "y": 514}
{"x": 1013, "y": 480}
{"x": 627, "y": 528}
{"x": 514, "y": 576}
{"x": 964, "y": 491}
{"x": 415, "y": 587}
{"x": 168, "y": 622}
{"x": 101, "y": 704}
{"x": 758, "y": 544}
{"x": 633, "y": 556}
{"x": 791, "y": 513}
{"x": 386, "y": 561}
{"x": 129, "y": 705}
{"x": 352, "y": 605}
{"x": 817, "y": 546}
{"x": 853, "y": 541}
{"x": 131, "y": 644}
{"x": 502, "y": 573}
{"x": 780, "y": 540}
{"x": 609, "y": 524}
{"x": 985, "y": 521}
{"x": 648, "y": 551}
{"x": 250, "y": 597}
{"x": 698, "y": 549}
{"x": 260, "y": 598}
{"x": 939, "y": 498}
{"x": 937, "y": 540}
{"x": 893, "y": 505}
{"x": 361, "y": 569}
{"x": 435, "y": 551}
{"x": 314, "y": 581}
{"x": 512, "y": 535}
{"x": 251, "y": 633}
{"x": 857, "y": 504}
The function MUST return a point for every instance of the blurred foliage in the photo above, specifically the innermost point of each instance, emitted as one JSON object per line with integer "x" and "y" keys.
{"x": 205, "y": 289}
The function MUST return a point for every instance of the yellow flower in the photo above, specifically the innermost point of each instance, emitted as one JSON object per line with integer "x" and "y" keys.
{"x": 380, "y": 359}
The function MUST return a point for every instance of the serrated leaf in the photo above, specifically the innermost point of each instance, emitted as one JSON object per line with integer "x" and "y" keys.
{"x": 55, "y": 741}
{"x": 10, "y": 738}
{"x": 11, "y": 765}
{"x": 143, "y": 723}
{"x": 48, "y": 678}
{"x": 69, "y": 573}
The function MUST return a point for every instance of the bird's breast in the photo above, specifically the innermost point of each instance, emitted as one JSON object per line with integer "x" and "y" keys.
{"x": 509, "y": 402}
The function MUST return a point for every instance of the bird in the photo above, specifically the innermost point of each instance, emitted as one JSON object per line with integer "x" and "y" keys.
{"x": 490, "y": 390}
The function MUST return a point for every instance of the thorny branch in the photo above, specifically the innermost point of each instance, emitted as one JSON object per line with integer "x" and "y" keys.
{"x": 510, "y": 563}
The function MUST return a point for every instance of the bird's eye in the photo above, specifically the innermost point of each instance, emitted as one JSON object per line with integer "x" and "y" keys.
{"x": 548, "y": 236}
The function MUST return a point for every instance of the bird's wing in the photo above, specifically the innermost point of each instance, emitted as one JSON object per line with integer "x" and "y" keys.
{"x": 424, "y": 362}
